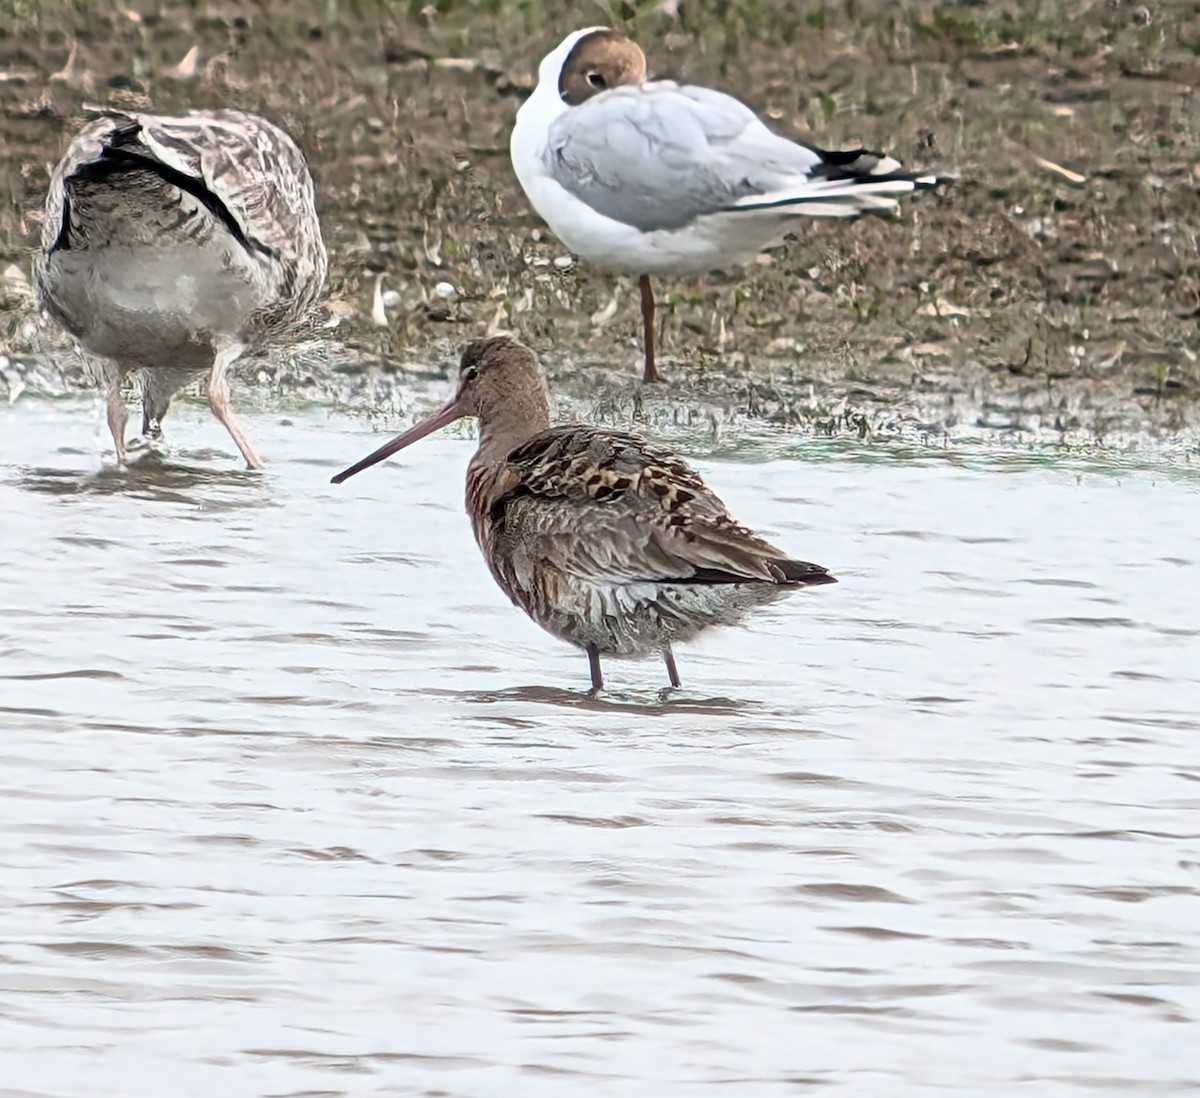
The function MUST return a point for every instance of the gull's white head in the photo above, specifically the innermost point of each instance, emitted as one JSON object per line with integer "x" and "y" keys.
{"x": 589, "y": 62}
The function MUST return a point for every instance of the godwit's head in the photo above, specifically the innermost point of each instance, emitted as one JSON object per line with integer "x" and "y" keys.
{"x": 501, "y": 383}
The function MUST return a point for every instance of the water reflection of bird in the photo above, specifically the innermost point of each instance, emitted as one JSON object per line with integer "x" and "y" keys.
{"x": 650, "y": 177}
{"x": 606, "y": 541}
{"x": 172, "y": 245}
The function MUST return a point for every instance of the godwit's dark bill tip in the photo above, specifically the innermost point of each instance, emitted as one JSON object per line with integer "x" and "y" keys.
{"x": 366, "y": 463}
{"x": 357, "y": 467}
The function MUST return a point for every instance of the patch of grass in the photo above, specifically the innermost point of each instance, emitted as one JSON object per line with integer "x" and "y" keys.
{"x": 1038, "y": 25}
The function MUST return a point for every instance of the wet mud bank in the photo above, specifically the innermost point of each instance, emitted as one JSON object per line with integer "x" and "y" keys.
{"x": 1049, "y": 295}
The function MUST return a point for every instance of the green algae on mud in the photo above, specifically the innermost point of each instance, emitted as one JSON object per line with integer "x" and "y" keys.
{"x": 1051, "y": 293}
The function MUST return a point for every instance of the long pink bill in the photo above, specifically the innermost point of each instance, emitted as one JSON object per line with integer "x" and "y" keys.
{"x": 438, "y": 420}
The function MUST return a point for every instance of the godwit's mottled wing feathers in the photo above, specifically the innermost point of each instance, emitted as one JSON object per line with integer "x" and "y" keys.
{"x": 607, "y": 507}
{"x": 246, "y": 169}
{"x": 252, "y": 166}
{"x": 86, "y": 149}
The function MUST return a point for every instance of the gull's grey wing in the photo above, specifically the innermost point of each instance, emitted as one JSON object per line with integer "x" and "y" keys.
{"x": 659, "y": 156}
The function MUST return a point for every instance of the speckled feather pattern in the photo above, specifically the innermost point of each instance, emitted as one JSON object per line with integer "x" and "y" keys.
{"x": 172, "y": 244}
{"x": 249, "y": 166}
{"x": 607, "y": 540}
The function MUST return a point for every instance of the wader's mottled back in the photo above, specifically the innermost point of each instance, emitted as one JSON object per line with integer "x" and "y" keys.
{"x": 172, "y": 245}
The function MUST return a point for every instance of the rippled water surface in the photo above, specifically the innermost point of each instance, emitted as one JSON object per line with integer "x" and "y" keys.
{"x": 294, "y": 803}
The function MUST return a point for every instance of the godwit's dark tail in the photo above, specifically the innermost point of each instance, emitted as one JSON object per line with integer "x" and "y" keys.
{"x": 800, "y": 571}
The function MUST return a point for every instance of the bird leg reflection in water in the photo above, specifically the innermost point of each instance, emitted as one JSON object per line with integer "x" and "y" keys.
{"x": 608, "y": 542}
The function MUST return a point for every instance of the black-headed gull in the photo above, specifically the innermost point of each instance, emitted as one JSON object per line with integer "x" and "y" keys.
{"x": 653, "y": 177}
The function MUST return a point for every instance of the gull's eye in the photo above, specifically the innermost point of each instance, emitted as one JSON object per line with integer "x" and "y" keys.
{"x": 596, "y": 79}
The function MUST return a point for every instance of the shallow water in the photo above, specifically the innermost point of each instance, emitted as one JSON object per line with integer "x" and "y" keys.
{"x": 293, "y": 802}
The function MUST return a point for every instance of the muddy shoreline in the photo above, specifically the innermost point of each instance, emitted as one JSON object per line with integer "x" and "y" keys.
{"x": 1050, "y": 295}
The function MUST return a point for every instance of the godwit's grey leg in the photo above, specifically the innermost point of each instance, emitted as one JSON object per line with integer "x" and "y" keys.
{"x": 651, "y": 372}
{"x": 594, "y": 663}
{"x": 218, "y": 401}
{"x": 669, "y": 660}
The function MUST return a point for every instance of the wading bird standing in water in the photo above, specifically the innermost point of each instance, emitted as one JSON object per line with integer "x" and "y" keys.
{"x": 607, "y": 542}
{"x": 172, "y": 244}
{"x": 655, "y": 178}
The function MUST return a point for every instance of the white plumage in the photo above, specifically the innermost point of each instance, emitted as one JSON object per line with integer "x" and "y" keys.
{"x": 652, "y": 177}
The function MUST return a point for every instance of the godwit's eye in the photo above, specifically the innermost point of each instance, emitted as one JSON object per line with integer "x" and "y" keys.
{"x": 596, "y": 79}
{"x": 470, "y": 373}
